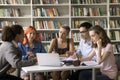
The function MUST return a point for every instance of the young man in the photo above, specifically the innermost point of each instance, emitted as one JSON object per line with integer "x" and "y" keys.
{"x": 85, "y": 43}
{"x": 84, "y": 47}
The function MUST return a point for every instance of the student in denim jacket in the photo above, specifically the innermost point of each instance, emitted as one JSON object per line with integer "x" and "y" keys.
{"x": 31, "y": 45}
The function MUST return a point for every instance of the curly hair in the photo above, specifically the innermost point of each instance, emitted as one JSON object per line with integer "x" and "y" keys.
{"x": 9, "y": 32}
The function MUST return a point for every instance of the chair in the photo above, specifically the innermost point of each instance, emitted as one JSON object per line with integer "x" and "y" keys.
{"x": 117, "y": 61}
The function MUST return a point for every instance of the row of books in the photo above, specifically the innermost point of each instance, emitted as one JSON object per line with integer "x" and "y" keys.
{"x": 45, "y": 12}
{"x": 14, "y": 1}
{"x": 76, "y": 36}
{"x": 101, "y": 22}
{"x": 115, "y": 35}
{"x": 115, "y": 23}
{"x": 114, "y": 1}
{"x": 47, "y": 24}
{"x": 88, "y": 1}
{"x": 84, "y": 11}
{"x": 116, "y": 47}
{"x": 45, "y": 1}
{"x": 48, "y": 36}
{"x": 75, "y": 24}
{"x": 115, "y": 11}
{"x": 10, "y": 12}
{"x": 6, "y": 23}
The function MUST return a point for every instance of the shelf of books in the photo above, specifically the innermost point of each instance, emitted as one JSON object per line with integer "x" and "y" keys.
{"x": 15, "y": 12}
{"x": 114, "y": 20}
{"x": 48, "y": 15}
{"x": 87, "y": 10}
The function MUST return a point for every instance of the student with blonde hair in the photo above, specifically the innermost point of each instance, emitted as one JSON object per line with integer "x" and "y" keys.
{"x": 64, "y": 46}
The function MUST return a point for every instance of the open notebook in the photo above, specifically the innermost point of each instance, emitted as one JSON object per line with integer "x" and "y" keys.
{"x": 48, "y": 59}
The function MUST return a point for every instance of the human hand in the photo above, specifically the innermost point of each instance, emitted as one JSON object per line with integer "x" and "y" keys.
{"x": 99, "y": 43}
{"x": 75, "y": 56}
{"x": 30, "y": 53}
{"x": 31, "y": 57}
{"x": 54, "y": 52}
{"x": 35, "y": 59}
{"x": 11, "y": 70}
{"x": 68, "y": 53}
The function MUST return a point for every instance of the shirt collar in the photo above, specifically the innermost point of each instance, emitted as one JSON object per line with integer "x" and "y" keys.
{"x": 88, "y": 42}
{"x": 16, "y": 45}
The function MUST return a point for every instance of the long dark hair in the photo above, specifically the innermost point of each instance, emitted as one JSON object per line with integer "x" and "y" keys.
{"x": 100, "y": 31}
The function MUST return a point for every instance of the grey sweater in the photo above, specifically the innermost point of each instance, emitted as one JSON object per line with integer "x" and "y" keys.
{"x": 10, "y": 56}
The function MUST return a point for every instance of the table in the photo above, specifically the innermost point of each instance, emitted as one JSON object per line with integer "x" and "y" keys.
{"x": 37, "y": 68}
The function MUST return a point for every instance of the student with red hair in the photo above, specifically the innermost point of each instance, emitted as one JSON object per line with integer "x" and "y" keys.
{"x": 31, "y": 45}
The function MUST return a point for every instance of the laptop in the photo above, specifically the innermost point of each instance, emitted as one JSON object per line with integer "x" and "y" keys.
{"x": 48, "y": 59}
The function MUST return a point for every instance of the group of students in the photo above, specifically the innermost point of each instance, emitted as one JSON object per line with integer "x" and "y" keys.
{"x": 19, "y": 48}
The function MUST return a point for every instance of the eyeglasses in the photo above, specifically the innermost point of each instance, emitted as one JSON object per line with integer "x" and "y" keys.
{"x": 83, "y": 31}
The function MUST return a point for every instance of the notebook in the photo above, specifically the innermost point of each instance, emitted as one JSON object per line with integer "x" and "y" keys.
{"x": 48, "y": 59}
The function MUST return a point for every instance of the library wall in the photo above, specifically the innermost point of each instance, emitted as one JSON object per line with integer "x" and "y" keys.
{"x": 48, "y": 15}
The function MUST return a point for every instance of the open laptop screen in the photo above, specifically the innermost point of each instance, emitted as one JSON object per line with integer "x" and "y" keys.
{"x": 48, "y": 59}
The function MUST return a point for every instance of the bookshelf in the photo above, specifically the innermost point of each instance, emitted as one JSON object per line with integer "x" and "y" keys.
{"x": 48, "y": 15}
{"x": 114, "y": 8}
{"x": 15, "y": 12}
{"x": 87, "y": 10}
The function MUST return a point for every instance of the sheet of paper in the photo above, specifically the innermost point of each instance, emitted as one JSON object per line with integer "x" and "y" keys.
{"x": 89, "y": 63}
{"x": 68, "y": 59}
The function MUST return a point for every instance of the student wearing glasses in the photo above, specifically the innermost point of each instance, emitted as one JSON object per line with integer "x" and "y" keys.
{"x": 85, "y": 43}
{"x": 84, "y": 47}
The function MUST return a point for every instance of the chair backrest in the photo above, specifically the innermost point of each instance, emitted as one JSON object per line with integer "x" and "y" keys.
{"x": 117, "y": 60}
